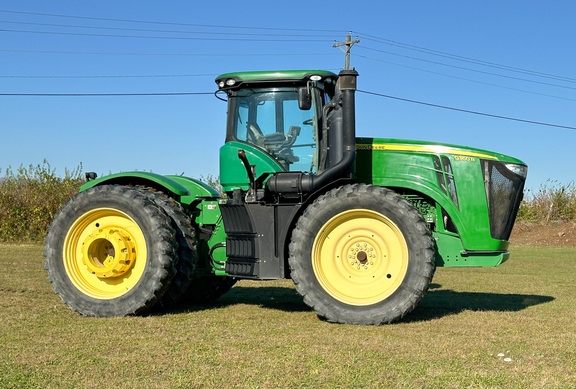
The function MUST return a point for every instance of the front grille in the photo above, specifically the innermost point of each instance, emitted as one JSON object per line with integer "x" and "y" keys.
{"x": 504, "y": 191}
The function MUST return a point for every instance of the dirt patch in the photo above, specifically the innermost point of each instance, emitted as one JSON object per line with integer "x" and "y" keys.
{"x": 540, "y": 234}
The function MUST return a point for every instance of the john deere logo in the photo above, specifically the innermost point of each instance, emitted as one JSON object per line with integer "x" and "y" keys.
{"x": 462, "y": 158}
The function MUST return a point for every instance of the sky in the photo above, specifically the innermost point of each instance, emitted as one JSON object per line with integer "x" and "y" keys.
{"x": 505, "y": 58}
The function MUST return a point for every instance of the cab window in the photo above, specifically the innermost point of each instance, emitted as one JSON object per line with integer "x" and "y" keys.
{"x": 272, "y": 120}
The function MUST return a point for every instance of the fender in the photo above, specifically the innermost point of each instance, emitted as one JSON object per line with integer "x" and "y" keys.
{"x": 196, "y": 189}
{"x": 187, "y": 189}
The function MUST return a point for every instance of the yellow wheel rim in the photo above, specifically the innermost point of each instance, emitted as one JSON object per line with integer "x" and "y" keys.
{"x": 360, "y": 257}
{"x": 104, "y": 253}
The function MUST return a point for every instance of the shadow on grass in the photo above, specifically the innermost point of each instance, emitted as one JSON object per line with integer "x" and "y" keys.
{"x": 273, "y": 297}
{"x": 440, "y": 303}
{"x": 436, "y": 304}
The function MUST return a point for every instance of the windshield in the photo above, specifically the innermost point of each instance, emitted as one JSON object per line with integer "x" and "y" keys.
{"x": 271, "y": 119}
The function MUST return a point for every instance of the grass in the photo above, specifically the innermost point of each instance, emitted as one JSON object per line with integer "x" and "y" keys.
{"x": 261, "y": 335}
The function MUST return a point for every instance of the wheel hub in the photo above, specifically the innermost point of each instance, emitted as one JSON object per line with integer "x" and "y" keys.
{"x": 108, "y": 252}
{"x": 362, "y": 256}
{"x": 359, "y": 257}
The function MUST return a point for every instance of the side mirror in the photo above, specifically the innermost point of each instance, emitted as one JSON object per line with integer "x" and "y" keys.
{"x": 304, "y": 99}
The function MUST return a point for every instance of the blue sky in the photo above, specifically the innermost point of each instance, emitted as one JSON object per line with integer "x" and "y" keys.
{"x": 508, "y": 58}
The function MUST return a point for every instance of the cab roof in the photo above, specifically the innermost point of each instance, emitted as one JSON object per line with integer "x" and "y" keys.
{"x": 235, "y": 80}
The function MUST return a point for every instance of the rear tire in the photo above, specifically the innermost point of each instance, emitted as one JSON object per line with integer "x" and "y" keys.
{"x": 110, "y": 251}
{"x": 187, "y": 244}
{"x": 361, "y": 254}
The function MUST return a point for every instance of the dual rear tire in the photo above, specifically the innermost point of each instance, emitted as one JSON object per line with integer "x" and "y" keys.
{"x": 111, "y": 251}
{"x": 116, "y": 251}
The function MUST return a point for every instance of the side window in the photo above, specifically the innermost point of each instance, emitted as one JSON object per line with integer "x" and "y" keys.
{"x": 303, "y": 122}
{"x": 241, "y": 120}
{"x": 266, "y": 116}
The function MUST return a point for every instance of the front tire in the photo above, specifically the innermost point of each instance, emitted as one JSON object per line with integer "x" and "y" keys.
{"x": 110, "y": 251}
{"x": 361, "y": 254}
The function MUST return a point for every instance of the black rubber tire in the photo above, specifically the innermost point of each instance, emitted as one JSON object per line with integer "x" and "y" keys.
{"x": 208, "y": 289}
{"x": 187, "y": 246}
{"x": 75, "y": 220}
{"x": 419, "y": 263}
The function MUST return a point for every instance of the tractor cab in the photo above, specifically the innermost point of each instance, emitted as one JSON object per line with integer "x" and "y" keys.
{"x": 271, "y": 120}
{"x": 277, "y": 119}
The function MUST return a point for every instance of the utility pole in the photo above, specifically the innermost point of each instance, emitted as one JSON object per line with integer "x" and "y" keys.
{"x": 349, "y": 43}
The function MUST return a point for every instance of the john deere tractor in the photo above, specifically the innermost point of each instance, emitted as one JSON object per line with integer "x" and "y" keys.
{"x": 359, "y": 224}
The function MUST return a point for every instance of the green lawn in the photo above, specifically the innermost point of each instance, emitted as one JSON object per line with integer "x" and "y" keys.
{"x": 261, "y": 335}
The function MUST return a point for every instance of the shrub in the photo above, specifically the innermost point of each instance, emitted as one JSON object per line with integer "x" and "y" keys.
{"x": 30, "y": 197}
{"x": 214, "y": 182}
{"x": 552, "y": 202}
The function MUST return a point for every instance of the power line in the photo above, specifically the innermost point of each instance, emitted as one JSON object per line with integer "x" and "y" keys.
{"x": 467, "y": 111}
{"x": 304, "y": 38}
{"x": 104, "y": 94}
{"x": 161, "y": 31}
{"x": 468, "y": 69}
{"x": 466, "y": 79}
{"x": 235, "y": 34}
{"x": 168, "y": 23}
{"x": 464, "y": 59}
{"x": 110, "y": 76}
{"x": 365, "y": 36}
{"x": 244, "y": 54}
{"x": 360, "y": 91}
{"x": 114, "y": 76}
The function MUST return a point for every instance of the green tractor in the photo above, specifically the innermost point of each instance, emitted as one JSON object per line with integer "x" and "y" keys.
{"x": 358, "y": 224}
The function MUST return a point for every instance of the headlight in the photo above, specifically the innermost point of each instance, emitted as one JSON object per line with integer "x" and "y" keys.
{"x": 517, "y": 169}
{"x": 228, "y": 82}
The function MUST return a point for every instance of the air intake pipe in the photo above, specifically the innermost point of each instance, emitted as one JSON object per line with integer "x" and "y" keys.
{"x": 341, "y": 150}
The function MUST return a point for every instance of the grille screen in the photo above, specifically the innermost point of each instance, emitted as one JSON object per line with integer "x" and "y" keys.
{"x": 504, "y": 191}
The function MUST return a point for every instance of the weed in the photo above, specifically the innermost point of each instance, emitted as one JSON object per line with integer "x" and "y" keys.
{"x": 551, "y": 202}
{"x": 29, "y": 198}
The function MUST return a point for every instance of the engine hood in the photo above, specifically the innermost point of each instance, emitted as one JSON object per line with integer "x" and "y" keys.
{"x": 413, "y": 146}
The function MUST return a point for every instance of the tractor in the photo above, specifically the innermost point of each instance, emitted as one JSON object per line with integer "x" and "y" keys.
{"x": 359, "y": 224}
